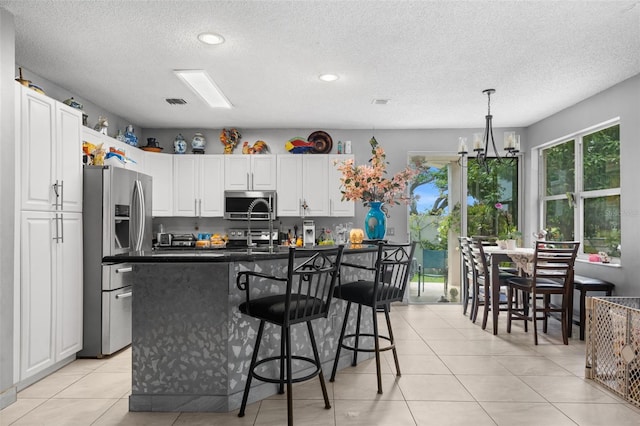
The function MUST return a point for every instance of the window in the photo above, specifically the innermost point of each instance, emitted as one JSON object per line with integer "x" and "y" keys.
{"x": 486, "y": 191}
{"x": 581, "y": 190}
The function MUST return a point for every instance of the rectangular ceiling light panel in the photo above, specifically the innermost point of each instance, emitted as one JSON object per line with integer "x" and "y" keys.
{"x": 201, "y": 83}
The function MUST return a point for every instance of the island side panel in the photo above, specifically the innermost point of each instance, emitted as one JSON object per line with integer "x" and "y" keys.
{"x": 179, "y": 337}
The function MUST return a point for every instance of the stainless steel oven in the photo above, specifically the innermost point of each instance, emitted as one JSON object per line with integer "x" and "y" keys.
{"x": 238, "y": 237}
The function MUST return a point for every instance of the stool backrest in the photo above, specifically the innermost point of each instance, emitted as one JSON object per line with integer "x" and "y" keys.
{"x": 311, "y": 278}
{"x": 467, "y": 261}
{"x": 393, "y": 263}
{"x": 481, "y": 270}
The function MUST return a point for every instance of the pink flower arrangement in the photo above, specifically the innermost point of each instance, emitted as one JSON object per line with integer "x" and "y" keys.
{"x": 368, "y": 183}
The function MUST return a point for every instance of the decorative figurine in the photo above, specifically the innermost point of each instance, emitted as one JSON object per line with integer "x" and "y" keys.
{"x": 257, "y": 148}
{"x": 179, "y": 144}
{"x": 102, "y": 125}
{"x": 230, "y": 139}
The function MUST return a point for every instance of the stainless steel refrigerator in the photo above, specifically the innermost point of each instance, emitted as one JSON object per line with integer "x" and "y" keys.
{"x": 117, "y": 220}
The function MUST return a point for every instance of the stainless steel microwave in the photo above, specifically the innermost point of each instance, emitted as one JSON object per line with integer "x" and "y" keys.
{"x": 237, "y": 203}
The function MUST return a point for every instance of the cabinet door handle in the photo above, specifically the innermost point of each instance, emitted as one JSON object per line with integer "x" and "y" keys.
{"x": 195, "y": 206}
{"x": 200, "y": 207}
{"x": 56, "y": 238}
{"x": 252, "y": 181}
{"x": 122, "y": 270}
{"x": 55, "y": 186}
{"x": 248, "y": 181}
{"x": 61, "y": 228}
{"x": 124, "y": 295}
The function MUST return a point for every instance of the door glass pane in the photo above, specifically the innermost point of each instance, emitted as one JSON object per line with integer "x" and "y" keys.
{"x": 429, "y": 223}
{"x": 559, "y": 166}
{"x": 559, "y": 220}
{"x": 602, "y": 225}
{"x": 601, "y": 159}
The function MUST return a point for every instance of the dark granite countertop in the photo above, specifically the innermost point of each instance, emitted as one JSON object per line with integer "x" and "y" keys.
{"x": 213, "y": 256}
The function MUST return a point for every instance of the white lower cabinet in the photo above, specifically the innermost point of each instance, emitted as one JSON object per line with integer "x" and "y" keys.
{"x": 50, "y": 289}
{"x": 198, "y": 185}
{"x": 160, "y": 168}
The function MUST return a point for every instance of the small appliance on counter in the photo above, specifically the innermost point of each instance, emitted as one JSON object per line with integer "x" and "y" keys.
{"x": 183, "y": 240}
{"x": 308, "y": 233}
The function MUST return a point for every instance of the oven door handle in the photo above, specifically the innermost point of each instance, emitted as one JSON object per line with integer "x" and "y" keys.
{"x": 124, "y": 295}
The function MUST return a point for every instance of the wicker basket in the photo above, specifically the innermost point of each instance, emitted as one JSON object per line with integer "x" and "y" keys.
{"x": 613, "y": 345}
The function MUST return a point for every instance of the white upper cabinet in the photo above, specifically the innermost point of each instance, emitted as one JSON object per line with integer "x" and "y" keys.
{"x": 160, "y": 168}
{"x": 198, "y": 185}
{"x": 303, "y": 187}
{"x": 255, "y": 172}
{"x": 337, "y": 207}
{"x": 50, "y": 154}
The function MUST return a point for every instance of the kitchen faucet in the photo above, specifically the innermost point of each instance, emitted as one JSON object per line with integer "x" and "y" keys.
{"x": 250, "y": 243}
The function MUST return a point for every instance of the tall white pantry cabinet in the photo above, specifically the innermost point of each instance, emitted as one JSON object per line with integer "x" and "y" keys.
{"x": 49, "y": 175}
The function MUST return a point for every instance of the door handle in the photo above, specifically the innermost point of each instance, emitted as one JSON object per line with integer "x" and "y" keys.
{"x": 124, "y": 295}
{"x": 62, "y": 196}
{"x": 122, "y": 270}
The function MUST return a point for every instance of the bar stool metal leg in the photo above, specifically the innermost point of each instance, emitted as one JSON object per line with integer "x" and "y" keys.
{"x": 314, "y": 346}
{"x": 376, "y": 345}
{"x": 393, "y": 342}
{"x": 254, "y": 358}
{"x": 357, "y": 339}
{"x": 342, "y": 332}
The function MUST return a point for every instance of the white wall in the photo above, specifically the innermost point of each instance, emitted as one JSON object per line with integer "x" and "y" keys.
{"x": 621, "y": 100}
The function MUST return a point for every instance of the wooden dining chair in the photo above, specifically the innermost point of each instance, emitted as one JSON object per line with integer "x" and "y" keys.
{"x": 552, "y": 275}
{"x": 483, "y": 281}
{"x": 469, "y": 290}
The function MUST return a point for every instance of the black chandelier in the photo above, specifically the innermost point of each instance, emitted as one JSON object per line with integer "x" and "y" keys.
{"x": 481, "y": 142}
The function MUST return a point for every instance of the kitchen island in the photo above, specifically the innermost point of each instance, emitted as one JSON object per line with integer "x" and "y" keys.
{"x": 191, "y": 347}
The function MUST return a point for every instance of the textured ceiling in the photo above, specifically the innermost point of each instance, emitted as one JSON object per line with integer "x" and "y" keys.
{"x": 431, "y": 59}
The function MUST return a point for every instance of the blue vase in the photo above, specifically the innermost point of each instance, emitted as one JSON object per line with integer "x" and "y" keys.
{"x": 375, "y": 224}
{"x": 130, "y": 137}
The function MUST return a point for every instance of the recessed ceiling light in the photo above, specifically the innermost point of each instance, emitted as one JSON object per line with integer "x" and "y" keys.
{"x": 328, "y": 77}
{"x": 211, "y": 38}
{"x": 380, "y": 101}
{"x": 201, "y": 83}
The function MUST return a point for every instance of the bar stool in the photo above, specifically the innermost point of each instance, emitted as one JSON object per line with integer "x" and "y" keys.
{"x": 307, "y": 292}
{"x": 389, "y": 282}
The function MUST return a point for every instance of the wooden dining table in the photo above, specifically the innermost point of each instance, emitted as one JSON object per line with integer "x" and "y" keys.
{"x": 521, "y": 256}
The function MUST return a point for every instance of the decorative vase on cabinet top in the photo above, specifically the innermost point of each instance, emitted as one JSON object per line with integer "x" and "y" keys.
{"x": 198, "y": 143}
{"x": 129, "y": 137}
{"x": 179, "y": 144}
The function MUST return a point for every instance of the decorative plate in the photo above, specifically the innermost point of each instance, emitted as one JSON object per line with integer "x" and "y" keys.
{"x": 322, "y": 142}
{"x": 151, "y": 148}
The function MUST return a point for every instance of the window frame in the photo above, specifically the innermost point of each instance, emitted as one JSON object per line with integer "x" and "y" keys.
{"x": 580, "y": 195}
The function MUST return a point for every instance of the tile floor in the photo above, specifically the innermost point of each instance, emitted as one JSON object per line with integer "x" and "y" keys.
{"x": 454, "y": 373}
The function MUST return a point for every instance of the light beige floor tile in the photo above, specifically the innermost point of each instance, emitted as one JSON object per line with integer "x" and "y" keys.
{"x": 499, "y": 388}
{"x": 220, "y": 419}
{"x": 66, "y": 412}
{"x": 568, "y": 389}
{"x": 423, "y": 387}
{"x": 119, "y": 415}
{"x": 600, "y": 414}
{"x": 476, "y": 347}
{"x": 412, "y": 347}
{"x": 21, "y": 407}
{"x": 309, "y": 389}
{"x": 429, "y": 334}
{"x": 476, "y": 365}
{"x": 379, "y": 413}
{"x": 526, "y": 414}
{"x": 532, "y": 366}
{"x": 365, "y": 387}
{"x": 98, "y": 385}
{"x": 49, "y": 386}
{"x": 81, "y": 366}
{"x": 121, "y": 364}
{"x": 449, "y": 413}
{"x": 367, "y": 366}
{"x": 419, "y": 364}
{"x": 312, "y": 413}
{"x": 572, "y": 363}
